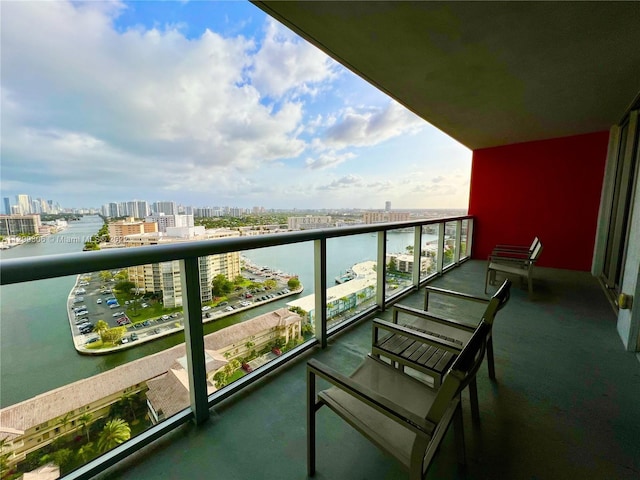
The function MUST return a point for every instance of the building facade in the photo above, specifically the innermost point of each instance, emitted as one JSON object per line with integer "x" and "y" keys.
{"x": 383, "y": 217}
{"x": 165, "y": 277}
{"x": 308, "y": 222}
{"x": 11, "y": 225}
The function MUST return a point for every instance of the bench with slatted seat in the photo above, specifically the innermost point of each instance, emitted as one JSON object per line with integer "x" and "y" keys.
{"x": 430, "y": 343}
{"x": 424, "y": 357}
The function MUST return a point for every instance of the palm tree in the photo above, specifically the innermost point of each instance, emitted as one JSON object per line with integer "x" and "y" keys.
{"x": 101, "y": 326}
{"x": 64, "y": 422}
{"x": 128, "y": 402}
{"x": 113, "y": 434}
{"x": 85, "y": 420}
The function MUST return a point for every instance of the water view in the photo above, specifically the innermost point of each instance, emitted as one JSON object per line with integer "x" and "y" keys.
{"x": 37, "y": 352}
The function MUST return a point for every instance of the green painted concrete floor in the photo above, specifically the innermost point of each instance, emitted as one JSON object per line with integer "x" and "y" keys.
{"x": 566, "y": 403}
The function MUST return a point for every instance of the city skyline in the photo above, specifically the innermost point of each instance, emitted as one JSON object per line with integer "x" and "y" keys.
{"x": 26, "y": 204}
{"x": 207, "y": 103}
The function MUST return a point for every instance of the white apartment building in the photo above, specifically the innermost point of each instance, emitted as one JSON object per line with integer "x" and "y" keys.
{"x": 165, "y": 277}
{"x": 309, "y": 221}
{"x": 404, "y": 262}
{"x": 166, "y": 221}
{"x": 383, "y": 217}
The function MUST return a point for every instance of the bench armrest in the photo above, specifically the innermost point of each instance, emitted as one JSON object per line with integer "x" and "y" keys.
{"x": 415, "y": 312}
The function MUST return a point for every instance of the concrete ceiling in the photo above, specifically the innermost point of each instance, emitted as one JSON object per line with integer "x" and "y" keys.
{"x": 486, "y": 73}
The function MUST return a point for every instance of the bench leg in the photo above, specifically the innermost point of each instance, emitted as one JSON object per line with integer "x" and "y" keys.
{"x": 473, "y": 399}
{"x": 458, "y": 430}
{"x": 492, "y": 369}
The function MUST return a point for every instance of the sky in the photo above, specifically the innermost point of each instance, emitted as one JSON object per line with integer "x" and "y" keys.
{"x": 205, "y": 104}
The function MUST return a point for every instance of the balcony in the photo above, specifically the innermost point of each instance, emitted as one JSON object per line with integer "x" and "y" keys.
{"x": 563, "y": 404}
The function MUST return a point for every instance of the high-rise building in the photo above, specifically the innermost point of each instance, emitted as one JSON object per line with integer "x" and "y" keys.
{"x": 387, "y": 206}
{"x": 7, "y": 206}
{"x": 167, "y": 207}
{"x": 24, "y": 203}
{"x": 165, "y": 277}
{"x": 137, "y": 209}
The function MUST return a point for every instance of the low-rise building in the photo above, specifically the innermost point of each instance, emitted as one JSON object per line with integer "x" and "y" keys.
{"x": 403, "y": 262}
{"x": 122, "y": 228}
{"x": 308, "y": 222}
{"x": 34, "y": 423}
{"x": 169, "y": 393}
{"x": 345, "y": 296}
{"x": 384, "y": 217}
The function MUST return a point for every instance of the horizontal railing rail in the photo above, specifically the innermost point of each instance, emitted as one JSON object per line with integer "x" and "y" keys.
{"x": 19, "y": 270}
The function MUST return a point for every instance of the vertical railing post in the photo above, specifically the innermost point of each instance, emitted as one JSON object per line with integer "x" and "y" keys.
{"x": 194, "y": 338}
{"x": 381, "y": 269}
{"x": 456, "y": 253}
{"x": 417, "y": 255}
{"x": 469, "y": 236}
{"x": 320, "y": 289}
{"x": 441, "y": 229}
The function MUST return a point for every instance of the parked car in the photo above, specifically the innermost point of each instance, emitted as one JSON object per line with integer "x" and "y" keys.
{"x": 114, "y": 305}
{"x": 276, "y": 351}
{"x": 165, "y": 317}
{"x": 206, "y": 308}
{"x": 99, "y": 301}
{"x": 134, "y": 337}
{"x": 247, "y": 368}
{"x": 228, "y": 309}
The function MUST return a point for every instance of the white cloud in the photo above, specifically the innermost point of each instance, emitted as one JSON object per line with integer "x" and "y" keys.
{"x": 328, "y": 159}
{"x": 94, "y": 112}
{"x": 147, "y": 98}
{"x": 346, "y": 182}
{"x": 371, "y": 126}
{"x": 287, "y": 64}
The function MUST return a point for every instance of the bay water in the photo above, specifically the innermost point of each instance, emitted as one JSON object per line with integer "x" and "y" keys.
{"x": 36, "y": 349}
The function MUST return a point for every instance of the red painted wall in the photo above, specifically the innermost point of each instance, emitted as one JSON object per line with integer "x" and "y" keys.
{"x": 549, "y": 188}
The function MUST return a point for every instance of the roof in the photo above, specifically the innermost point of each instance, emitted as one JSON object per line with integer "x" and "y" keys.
{"x": 486, "y": 73}
{"x": 239, "y": 332}
{"x": 17, "y": 418}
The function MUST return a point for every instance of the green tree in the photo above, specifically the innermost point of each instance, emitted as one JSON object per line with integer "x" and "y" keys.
{"x": 293, "y": 283}
{"x": 85, "y": 420}
{"x": 106, "y": 275}
{"x": 101, "y": 326}
{"x": 4, "y": 457}
{"x": 113, "y": 335}
{"x": 85, "y": 452}
{"x": 64, "y": 421}
{"x": 122, "y": 275}
{"x": 270, "y": 283}
{"x": 114, "y": 433}
{"x": 125, "y": 286}
{"x": 221, "y": 286}
{"x": 128, "y": 402}
{"x": 62, "y": 458}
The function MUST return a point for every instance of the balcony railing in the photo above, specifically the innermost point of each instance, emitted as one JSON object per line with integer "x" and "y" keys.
{"x": 451, "y": 237}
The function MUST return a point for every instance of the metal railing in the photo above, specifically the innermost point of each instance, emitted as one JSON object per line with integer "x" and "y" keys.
{"x": 21, "y": 270}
